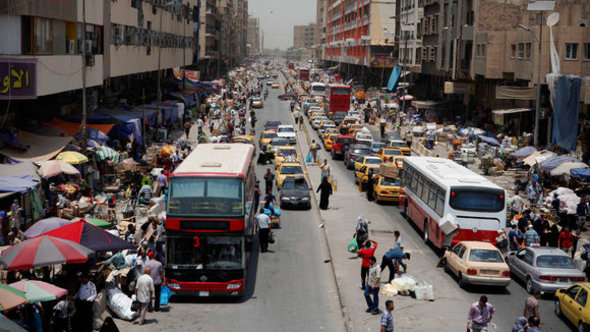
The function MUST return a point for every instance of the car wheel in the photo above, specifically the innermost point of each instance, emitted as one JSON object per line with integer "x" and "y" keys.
{"x": 582, "y": 327}
{"x": 530, "y": 286}
{"x": 376, "y": 198}
{"x": 426, "y": 231}
{"x": 462, "y": 281}
{"x": 557, "y": 307}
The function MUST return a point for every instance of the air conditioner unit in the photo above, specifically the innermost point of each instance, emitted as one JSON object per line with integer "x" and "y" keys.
{"x": 71, "y": 46}
{"x": 88, "y": 48}
{"x": 90, "y": 62}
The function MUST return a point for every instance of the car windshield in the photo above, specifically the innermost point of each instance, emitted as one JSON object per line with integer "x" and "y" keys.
{"x": 270, "y": 135}
{"x": 290, "y": 170}
{"x": 295, "y": 184}
{"x": 343, "y": 140}
{"x": 377, "y": 145}
{"x": 273, "y": 123}
{"x": 361, "y": 151}
{"x": 286, "y": 130}
{"x": 373, "y": 161}
{"x": 555, "y": 262}
{"x": 285, "y": 152}
{"x": 398, "y": 145}
{"x": 486, "y": 256}
{"x": 280, "y": 142}
{"x": 205, "y": 252}
{"x": 391, "y": 182}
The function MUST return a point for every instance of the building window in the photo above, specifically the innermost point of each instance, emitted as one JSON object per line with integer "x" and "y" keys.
{"x": 520, "y": 50}
{"x": 571, "y": 51}
{"x": 483, "y": 50}
{"x": 512, "y": 51}
{"x": 587, "y": 51}
{"x": 478, "y": 50}
{"x": 528, "y": 50}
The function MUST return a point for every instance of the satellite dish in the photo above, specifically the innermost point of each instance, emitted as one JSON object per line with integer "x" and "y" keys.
{"x": 553, "y": 19}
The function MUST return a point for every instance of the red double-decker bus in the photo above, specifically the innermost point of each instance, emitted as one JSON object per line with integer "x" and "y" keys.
{"x": 338, "y": 98}
{"x": 304, "y": 74}
{"x": 209, "y": 221}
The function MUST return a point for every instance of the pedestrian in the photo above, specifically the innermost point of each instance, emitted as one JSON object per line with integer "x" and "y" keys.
{"x": 263, "y": 222}
{"x": 296, "y": 116}
{"x": 60, "y": 320}
{"x": 576, "y": 238}
{"x": 531, "y": 192}
{"x": 365, "y": 253}
{"x": 480, "y": 315}
{"x": 464, "y": 158}
{"x": 325, "y": 170}
{"x": 300, "y": 120}
{"x": 565, "y": 240}
{"x": 200, "y": 125}
{"x": 326, "y": 190}
{"x": 531, "y": 237}
{"x": 501, "y": 241}
{"x": 397, "y": 255}
{"x": 257, "y": 194}
{"x": 268, "y": 180}
{"x": 157, "y": 275}
{"x": 84, "y": 302}
{"x": 531, "y": 305}
{"x": 581, "y": 212}
{"x": 556, "y": 203}
{"x": 313, "y": 150}
{"x": 534, "y": 324}
{"x": 517, "y": 204}
{"x": 387, "y": 317}
{"x": 144, "y": 291}
{"x": 520, "y": 325}
{"x": 515, "y": 238}
{"x": 141, "y": 261}
{"x": 372, "y": 286}
{"x": 370, "y": 184}
{"x": 187, "y": 127}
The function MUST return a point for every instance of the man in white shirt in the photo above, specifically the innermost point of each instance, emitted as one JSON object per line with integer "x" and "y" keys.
{"x": 84, "y": 301}
{"x": 399, "y": 244}
{"x": 325, "y": 169}
{"x": 263, "y": 222}
{"x": 140, "y": 262}
{"x": 144, "y": 291}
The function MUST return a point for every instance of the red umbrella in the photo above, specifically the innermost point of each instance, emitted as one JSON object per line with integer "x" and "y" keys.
{"x": 90, "y": 236}
{"x": 43, "y": 251}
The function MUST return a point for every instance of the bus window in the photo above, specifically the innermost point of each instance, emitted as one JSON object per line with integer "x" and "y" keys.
{"x": 480, "y": 200}
{"x": 194, "y": 196}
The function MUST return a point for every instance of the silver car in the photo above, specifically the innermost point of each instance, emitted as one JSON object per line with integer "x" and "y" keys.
{"x": 544, "y": 268}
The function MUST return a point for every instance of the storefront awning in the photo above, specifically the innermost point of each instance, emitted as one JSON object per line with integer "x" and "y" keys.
{"x": 515, "y": 92}
{"x": 42, "y": 148}
{"x": 511, "y": 110}
{"x": 72, "y": 128}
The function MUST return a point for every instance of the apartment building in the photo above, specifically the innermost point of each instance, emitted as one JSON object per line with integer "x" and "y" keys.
{"x": 409, "y": 32}
{"x": 319, "y": 43}
{"x": 253, "y": 36}
{"x": 303, "y": 35}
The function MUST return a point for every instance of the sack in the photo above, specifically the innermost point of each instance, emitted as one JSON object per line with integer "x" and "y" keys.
{"x": 271, "y": 238}
{"x": 352, "y": 246}
{"x": 135, "y": 306}
{"x": 120, "y": 304}
{"x": 308, "y": 158}
{"x": 165, "y": 294}
{"x": 424, "y": 292}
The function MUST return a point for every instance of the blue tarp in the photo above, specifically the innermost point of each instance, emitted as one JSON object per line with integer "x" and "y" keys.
{"x": 20, "y": 183}
{"x": 580, "y": 173}
{"x": 565, "y": 110}
{"x": 93, "y": 134}
{"x": 489, "y": 140}
{"x": 394, "y": 78}
{"x": 524, "y": 152}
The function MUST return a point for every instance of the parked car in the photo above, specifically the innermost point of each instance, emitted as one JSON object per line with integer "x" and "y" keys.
{"x": 275, "y": 85}
{"x": 477, "y": 263}
{"x": 288, "y": 132}
{"x": 295, "y": 193}
{"x": 544, "y": 268}
{"x": 272, "y": 125}
{"x": 353, "y": 153}
{"x": 572, "y": 303}
{"x": 387, "y": 189}
{"x": 375, "y": 146}
{"x": 340, "y": 145}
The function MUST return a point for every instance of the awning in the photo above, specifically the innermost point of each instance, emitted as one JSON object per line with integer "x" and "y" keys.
{"x": 19, "y": 184}
{"x": 72, "y": 128}
{"x": 26, "y": 168}
{"x": 42, "y": 148}
{"x": 515, "y": 92}
{"x": 511, "y": 111}
{"x": 425, "y": 103}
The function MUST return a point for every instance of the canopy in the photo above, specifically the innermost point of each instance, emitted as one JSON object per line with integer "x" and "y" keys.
{"x": 489, "y": 140}
{"x": 20, "y": 183}
{"x": 10, "y": 297}
{"x": 538, "y": 156}
{"x": 524, "y": 152}
{"x": 52, "y": 168}
{"x": 580, "y": 173}
{"x": 39, "y": 291}
{"x": 8, "y": 325}
{"x": 96, "y": 222}
{"x": 45, "y": 225}
{"x": 107, "y": 153}
{"x": 72, "y": 128}
{"x": 94, "y": 134}
{"x": 24, "y": 168}
{"x": 552, "y": 162}
{"x": 72, "y": 157}
{"x": 42, "y": 148}
{"x": 90, "y": 236}
{"x": 564, "y": 169}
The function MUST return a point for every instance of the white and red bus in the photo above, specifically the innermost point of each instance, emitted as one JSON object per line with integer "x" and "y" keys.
{"x": 209, "y": 220}
{"x": 338, "y": 98}
{"x": 318, "y": 89}
{"x": 435, "y": 187}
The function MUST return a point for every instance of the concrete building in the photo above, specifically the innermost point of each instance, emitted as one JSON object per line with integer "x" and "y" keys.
{"x": 319, "y": 41}
{"x": 409, "y": 31}
{"x": 303, "y": 35}
{"x": 253, "y": 36}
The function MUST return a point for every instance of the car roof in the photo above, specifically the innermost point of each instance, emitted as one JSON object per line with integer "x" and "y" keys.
{"x": 285, "y": 126}
{"x": 371, "y": 157}
{"x": 273, "y": 122}
{"x": 478, "y": 245}
{"x": 286, "y": 147}
{"x": 291, "y": 164}
{"x": 547, "y": 251}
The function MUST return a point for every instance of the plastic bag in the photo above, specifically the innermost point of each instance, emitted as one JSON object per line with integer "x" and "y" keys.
{"x": 352, "y": 246}
{"x": 165, "y": 294}
{"x": 308, "y": 158}
{"x": 120, "y": 304}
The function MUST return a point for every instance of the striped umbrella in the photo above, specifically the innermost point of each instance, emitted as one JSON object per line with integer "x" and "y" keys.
{"x": 11, "y": 297}
{"x": 107, "y": 153}
{"x": 43, "y": 251}
{"x": 39, "y": 291}
{"x": 552, "y": 162}
{"x": 524, "y": 152}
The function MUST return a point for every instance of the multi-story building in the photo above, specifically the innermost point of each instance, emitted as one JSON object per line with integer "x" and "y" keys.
{"x": 319, "y": 42}
{"x": 303, "y": 35}
{"x": 123, "y": 43}
{"x": 210, "y": 32}
{"x": 409, "y": 32}
{"x": 253, "y": 36}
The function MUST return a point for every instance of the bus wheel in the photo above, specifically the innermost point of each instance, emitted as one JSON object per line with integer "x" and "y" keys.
{"x": 426, "y": 231}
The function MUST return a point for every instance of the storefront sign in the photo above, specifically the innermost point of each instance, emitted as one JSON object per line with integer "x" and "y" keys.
{"x": 459, "y": 88}
{"x": 192, "y": 75}
{"x": 18, "y": 78}
{"x": 381, "y": 60}
{"x": 515, "y": 92}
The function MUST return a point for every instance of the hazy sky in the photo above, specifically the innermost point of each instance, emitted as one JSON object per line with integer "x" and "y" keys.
{"x": 277, "y": 18}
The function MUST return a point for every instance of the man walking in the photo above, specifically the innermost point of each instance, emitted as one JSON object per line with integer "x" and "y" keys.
{"x": 325, "y": 170}
{"x": 387, "y": 317}
{"x": 531, "y": 305}
{"x": 480, "y": 314}
{"x": 389, "y": 257}
{"x": 367, "y": 252}
{"x": 264, "y": 231}
{"x": 531, "y": 236}
{"x": 144, "y": 291}
{"x": 268, "y": 179}
{"x": 313, "y": 149}
{"x": 157, "y": 275}
{"x": 565, "y": 240}
{"x": 372, "y": 287}
{"x": 84, "y": 302}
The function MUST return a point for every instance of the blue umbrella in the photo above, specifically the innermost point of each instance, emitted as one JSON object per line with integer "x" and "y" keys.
{"x": 581, "y": 173}
{"x": 552, "y": 162}
{"x": 524, "y": 152}
{"x": 489, "y": 140}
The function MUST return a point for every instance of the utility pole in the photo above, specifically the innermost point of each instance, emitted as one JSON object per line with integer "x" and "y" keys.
{"x": 538, "y": 101}
{"x": 184, "y": 55}
{"x": 84, "y": 114}
{"x": 159, "y": 92}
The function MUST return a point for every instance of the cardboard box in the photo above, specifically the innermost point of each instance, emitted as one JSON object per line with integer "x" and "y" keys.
{"x": 388, "y": 170}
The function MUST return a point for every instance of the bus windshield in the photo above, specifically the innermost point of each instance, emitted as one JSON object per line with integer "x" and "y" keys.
{"x": 206, "y": 196}
{"x": 340, "y": 91}
{"x": 205, "y": 252}
{"x": 477, "y": 200}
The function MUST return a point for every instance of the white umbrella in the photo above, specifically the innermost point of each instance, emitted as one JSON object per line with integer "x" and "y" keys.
{"x": 564, "y": 169}
{"x": 52, "y": 168}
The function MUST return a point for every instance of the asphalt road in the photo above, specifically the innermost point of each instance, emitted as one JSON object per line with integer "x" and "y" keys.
{"x": 290, "y": 288}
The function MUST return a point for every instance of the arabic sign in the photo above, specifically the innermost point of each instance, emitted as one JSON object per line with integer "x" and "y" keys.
{"x": 381, "y": 60}
{"x": 192, "y": 75}
{"x": 18, "y": 78}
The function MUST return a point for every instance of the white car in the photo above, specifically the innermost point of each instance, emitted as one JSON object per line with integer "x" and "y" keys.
{"x": 318, "y": 119}
{"x": 287, "y": 132}
{"x": 321, "y": 130}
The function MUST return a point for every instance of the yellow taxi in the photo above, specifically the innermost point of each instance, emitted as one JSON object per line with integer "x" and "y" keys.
{"x": 329, "y": 131}
{"x": 288, "y": 169}
{"x": 283, "y": 152}
{"x": 355, "y": 127}
{"x": 329, "y": 140}
{"x": 401, "y": 145}
{"x": 387, "y": 189}
{"x": 275, "y": 85}
{"x": 477, "y": 263}
{"x": 244, "y": 139}
{"x": 572, "y": 302}
{"x": 326, "y": 123}
{"x": 366, "y": 160}
{"x": 398, "y": 161}
{"x": 266, "y": 136}
{"x": 362, "y": 174}
{"x": 313, "y": 115}
{"x": 388, "y": 154}
{"x": 257, "y": 102}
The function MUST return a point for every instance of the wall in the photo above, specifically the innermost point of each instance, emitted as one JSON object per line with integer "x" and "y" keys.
{"x": 10, "y": 34}
{"x": 124, "y": 59}
{"x": 59, "y": 73}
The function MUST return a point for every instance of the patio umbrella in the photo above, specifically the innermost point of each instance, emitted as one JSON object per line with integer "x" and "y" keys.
{"x": 39, "y": 291}
{"x": 52, "y": 168}
{"x": 552, "y": 162}
{"x": 489, "y": 140}
{"x": 565, "y": 168}
{"x": 580, "y": 173}
{"x": 90, "y": 236}
{"x": 107, "y": 153}
{"x": 45, "y": 225}
{"x": 72, "y": 157}
{"x": 524, "y": 152}
{"x": 8, "y": 325}
{"x": 10, "y": 297}
{"x": 407, "y": 97}
{"x": 96, "y": 222}
{"x": 43, "y": 251}
{"x": 92, "y": 143}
